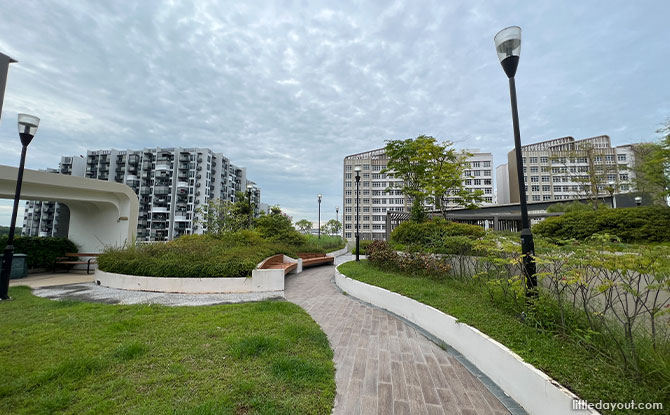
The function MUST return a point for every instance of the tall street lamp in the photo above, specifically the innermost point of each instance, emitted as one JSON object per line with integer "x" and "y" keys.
{"x": 357, "y": 169}
{"x": 319, "y": 197}
{"x": 27, "y": 129}
{"x": 508, "y": 47}
{"x": 249, "y": 189}
{"x": 337, "y": 214}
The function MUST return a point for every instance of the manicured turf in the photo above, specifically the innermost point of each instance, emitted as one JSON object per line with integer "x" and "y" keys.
{"x": 74, "y": 358}
{"x": 575, "y": 367}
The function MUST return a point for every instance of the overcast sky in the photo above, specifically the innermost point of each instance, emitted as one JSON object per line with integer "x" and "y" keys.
{"x": 288, "y": 89}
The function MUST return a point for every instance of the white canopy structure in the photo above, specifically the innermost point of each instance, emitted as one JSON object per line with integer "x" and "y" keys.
{"x": 102, "y": 214}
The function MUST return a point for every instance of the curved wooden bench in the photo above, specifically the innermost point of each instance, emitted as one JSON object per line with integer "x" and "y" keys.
{"x": 277, "y": 262}
{"x": 312, "y": 259}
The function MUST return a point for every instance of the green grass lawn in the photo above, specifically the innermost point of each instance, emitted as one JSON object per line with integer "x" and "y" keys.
{"x": 75, "y": 358}
{"x": 589, "y": 376}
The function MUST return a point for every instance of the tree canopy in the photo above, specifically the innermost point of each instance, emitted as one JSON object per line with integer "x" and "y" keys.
{"x": 431, "y": 172}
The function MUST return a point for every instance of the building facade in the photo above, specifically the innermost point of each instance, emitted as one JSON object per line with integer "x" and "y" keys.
{"x": 170, "y": 183}
{"x": 565, "y": 168}
{"x": 376, "y": 197}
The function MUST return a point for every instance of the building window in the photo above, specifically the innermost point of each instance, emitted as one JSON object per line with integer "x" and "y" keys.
{"x": 534, "y": 179}
{"x": 487, "y": 164}
{"x": 621, "y": 157}
{"x": 536, "y": 198}
{"x": 533, "y": 160}
{"x": 535, "y": 188}
{"x": 544, "y": 160}
{"x": 623, "y": 177}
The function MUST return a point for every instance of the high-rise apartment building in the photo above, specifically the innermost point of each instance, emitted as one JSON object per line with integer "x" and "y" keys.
{"x": 502, "y": 185}
{"x": 565, "y": 168}
{"x": 170, "y": 183}
{"x": 375, "y": 200}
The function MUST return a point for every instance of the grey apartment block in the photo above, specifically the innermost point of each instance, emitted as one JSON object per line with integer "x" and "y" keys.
{"x": 558, "y": 169}
{"x": 375, "y": 200}
{"x": 171, "y": 184}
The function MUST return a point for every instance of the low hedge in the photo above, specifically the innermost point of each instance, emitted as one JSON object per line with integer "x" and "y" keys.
{"x": 363, "y": 243}
{"x": 41, "y": 251}
{"x": 199, "y": 256}
{"x": 436, "y": 236}
{"x": 638, "y": 224}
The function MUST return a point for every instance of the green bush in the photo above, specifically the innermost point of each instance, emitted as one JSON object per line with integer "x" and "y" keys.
{"x": 278, "y": 227}
{"x": 568, "y": 207}
{"x": 327, "y": 243}
{"x": 196, "y": 256}
{"x": 384, "y": 256}
{"x": 639, "y": 224}
{"x": 41, "y": 251}
{"x": 364, "y": 243}
{"x": 437, "y": 236}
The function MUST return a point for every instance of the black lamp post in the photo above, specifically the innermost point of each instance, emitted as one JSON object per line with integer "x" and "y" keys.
{"x": 337, "y": 214}
{"x": 357, "y": 169}
{"x": 319, "y": 197}
{"x": 508, "y": 47}
{"x": 27, "y": 129}
{"x": 249, "y": 189}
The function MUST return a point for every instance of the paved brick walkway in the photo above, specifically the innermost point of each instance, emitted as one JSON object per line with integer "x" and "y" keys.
{"x": 384, "y": 366}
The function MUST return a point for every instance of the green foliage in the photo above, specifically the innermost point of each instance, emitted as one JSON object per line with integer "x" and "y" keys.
{"x": 436, "y": 236}
{"x": 304, "y": 225}
{"x": 219, "y": 359}
{"x": 363, "y": 243}
{"x": 431, "y": 171}
{"x": 41, "y": 251}
{"x": 277, "y": 226}
{"x": 195, "y": 256}
{"x": 652, "y": 166}
{"x": 568, "y": 207}
{"x": 218, "y": 216}
{"x": 384, "y": 256}
{"x": 4, "y": 231}
{"x": 325, "y": 244}
{"x": 639, "y": 224}
{"x": 332, "y": 227}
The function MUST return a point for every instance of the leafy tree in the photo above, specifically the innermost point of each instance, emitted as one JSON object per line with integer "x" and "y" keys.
{"x": 277, "y": 226}
{"x": 332, "y": 227}
{"x": 652, "y": 167}
{"x": 304, "y": 225}
{"x": 218, "y": 216}
{"x": 432, "y": 172}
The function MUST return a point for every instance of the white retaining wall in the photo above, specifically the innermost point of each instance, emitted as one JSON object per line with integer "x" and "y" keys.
{"x": 536, "y": 392}
{"x": 262, "y": 280}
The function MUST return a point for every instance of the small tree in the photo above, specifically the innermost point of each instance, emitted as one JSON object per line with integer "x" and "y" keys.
{"x": 431, "y": 172}
{"x": 304, "y": 225}
{"x": 652, "y": 167}
{"x": 219, "y": 216}
{"x": 332, "y": 227}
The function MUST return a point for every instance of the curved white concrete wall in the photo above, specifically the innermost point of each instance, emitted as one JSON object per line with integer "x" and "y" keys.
{"x": 102, "y": 214}
{"x": 262, "y": 280}
{"x": 536, "y": 392}
{"x": 338, "y": 252}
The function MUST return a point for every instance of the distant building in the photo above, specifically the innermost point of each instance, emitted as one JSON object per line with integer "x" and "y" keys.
{"x": 562, "y": 169}
{"x": 375, "y": 200}
{"x": 502, "y": 185}
{"x": 171, "y": 183}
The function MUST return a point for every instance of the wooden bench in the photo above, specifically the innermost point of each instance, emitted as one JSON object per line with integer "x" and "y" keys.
{"x": 71, "y": 258}
{"x": 277, "y": 262}
{"x": 312, "y": 259}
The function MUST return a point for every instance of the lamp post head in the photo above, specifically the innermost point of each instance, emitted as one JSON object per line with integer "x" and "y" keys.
{"x": 357, "y": 169}
{"x": 337, "y": 208}
{"x": 27, "y": 127}
{"x": 319, "y": 197}
{"x": 508, "y": 47}
{"x": 638, "y": 200}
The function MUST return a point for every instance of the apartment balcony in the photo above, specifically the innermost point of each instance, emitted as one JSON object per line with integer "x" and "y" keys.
{"x": 161, "y": 190}
{"x": 181, "y": 218}
{"x": 120, "y": 168}
{"x": 146, "y": 165}
{"x": 43, "y": 234}
{"x": 145, "y": 191}
{"x": 184, "y": 157}
{"x": 162, "y": 165}
{"x": 160, "y": 209}
{"x": 133, "y": 159}
{"x": 103, "y": 177}
{"x": 184, "y": 166}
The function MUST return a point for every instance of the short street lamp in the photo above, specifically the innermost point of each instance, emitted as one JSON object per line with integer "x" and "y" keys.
{"x": 611, "y": 187}
{"x": 319, "y": 197}
{"x": 508, "y": 47}
{"x": 27, "y": 129}
{"x": 249, "y": 190}
{"x": 638, "y": 200}
{"x": 337, "y": 214}
{"x": 357, "y": 169}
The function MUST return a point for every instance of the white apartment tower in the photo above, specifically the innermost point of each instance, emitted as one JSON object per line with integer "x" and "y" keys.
{"x": 171, "y": 183}
{"x": 563, "y": 168}
{"x": 375, "y": 200}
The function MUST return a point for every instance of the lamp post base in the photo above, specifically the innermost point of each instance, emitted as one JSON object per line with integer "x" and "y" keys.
{"x": 7, "y": 259}
{"x": 357, "y": 247}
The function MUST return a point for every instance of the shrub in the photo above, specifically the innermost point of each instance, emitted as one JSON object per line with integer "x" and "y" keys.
{"x": 568, "y": 207}
{"x": 41, "y": 251}
{"x": 437, "y": 235}
{"x": 278, "y": 227}
{"x": 233, "y": 255}
{"x": 364, "y": 244}
{"x": 327, "y": 243}
{"x": 639, "y": 224}
{"x": 384, "y": 256}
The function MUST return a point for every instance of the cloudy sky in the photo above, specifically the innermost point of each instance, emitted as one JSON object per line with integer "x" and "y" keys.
{"x": 288, "y": 89}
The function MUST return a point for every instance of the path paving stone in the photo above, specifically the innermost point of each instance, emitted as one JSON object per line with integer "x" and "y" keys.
{"x": 385, "y": 366}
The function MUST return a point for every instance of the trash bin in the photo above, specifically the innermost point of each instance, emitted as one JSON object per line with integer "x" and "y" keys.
{"x": 19, "y": 266}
